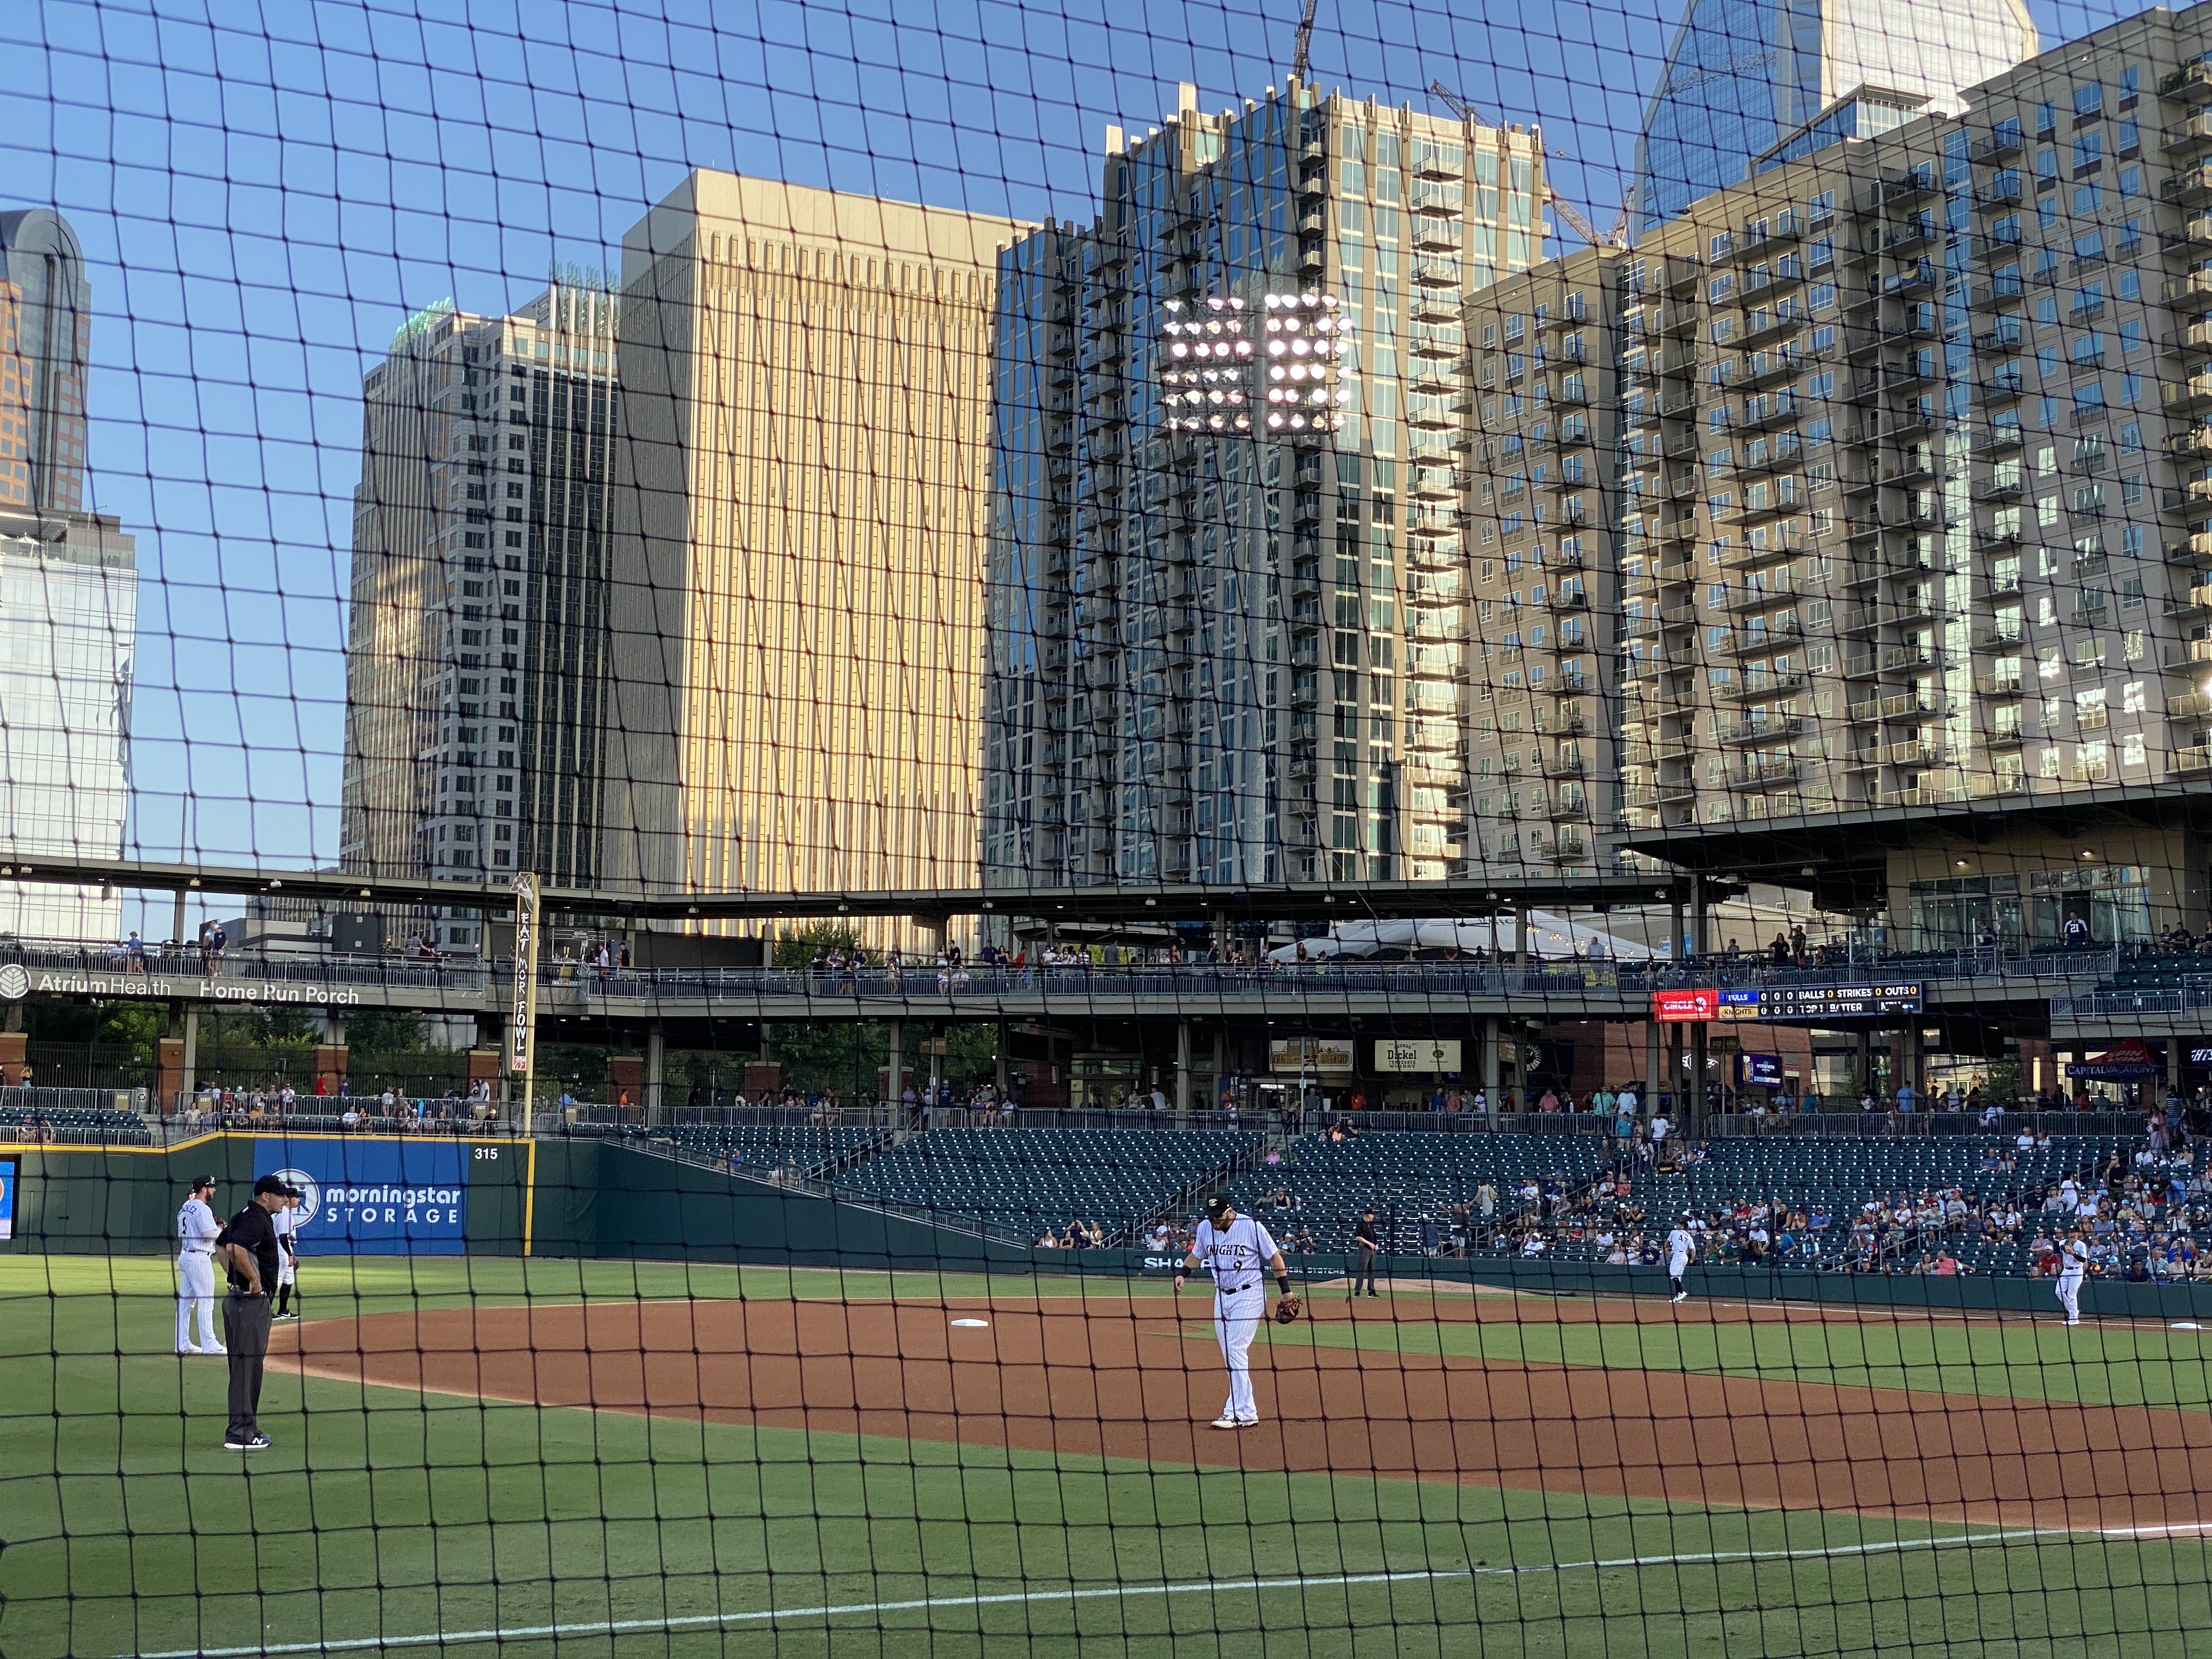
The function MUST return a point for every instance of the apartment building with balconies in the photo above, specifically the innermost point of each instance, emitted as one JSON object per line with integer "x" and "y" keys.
{"x": 1226, "y": 593}
{"x": 1917, "y": 508}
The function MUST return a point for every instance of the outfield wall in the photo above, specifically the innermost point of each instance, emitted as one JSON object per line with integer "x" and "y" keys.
{"x": 591, "y": 1198}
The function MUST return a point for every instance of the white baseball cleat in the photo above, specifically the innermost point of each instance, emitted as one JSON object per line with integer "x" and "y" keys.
{"x": 1225, "y": 1421}
{"x": 1679, "y": 1296}
{"x": 1247, "y": 1422}
{"x": 214, "y": 1353}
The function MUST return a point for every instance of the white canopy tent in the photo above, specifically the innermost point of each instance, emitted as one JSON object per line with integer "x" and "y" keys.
{"x": 1548, "y": 936}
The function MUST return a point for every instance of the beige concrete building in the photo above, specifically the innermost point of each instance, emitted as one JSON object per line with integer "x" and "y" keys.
{"x": 796, "y": 632}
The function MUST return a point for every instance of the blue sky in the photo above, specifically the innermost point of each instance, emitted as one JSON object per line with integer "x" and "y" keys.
{"x": 266, "y": 191}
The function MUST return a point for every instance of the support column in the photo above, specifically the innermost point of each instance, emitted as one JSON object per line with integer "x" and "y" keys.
{"x": 1675, "y": 949}
{"x": 1006, "y": 1065}
{"x": 1182, "y": 1074}
{"x": 177, "y": 925}
{"x": 2173, "y": 1066}
{"x": 1220, "y": 1061}
{"x": 936, "y": 1061}
{"x": 1863, "y": 1064}
{"x": 1701, "y": 943}
{"x": 1520, "y": 941}
{"x": 656, "y": 1068}
{"x": 895, "y": 1070}
{"x": 330, "y": 1050}
{"x": 191, "y": 1055}
{"x": 1700, "y": 1059}
{"x": 1652, "y": 1062}
{"x": 1490, "y": 1083}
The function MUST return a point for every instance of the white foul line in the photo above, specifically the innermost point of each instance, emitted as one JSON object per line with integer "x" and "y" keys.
{"x": 778, "y": 1615}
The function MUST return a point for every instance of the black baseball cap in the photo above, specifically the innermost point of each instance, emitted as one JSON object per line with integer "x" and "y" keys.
{"x": 199, "y": 1181}
{"x": 270, "y": 1183}
{"x": 1218, "y": 1203}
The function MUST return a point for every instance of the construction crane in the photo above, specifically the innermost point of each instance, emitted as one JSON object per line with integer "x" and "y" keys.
{"x": 1304, "y": 40}
{"x": 1617, "y": 237}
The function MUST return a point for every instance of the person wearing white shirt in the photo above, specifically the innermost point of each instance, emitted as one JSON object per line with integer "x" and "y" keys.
{"x": 1682, "y": 1245}
{"x": 1235, "y": 1248}
{"x": 196, "y": 1230}
{"x": 2073, "y": 1263}
{"x": 286, "y": 1225}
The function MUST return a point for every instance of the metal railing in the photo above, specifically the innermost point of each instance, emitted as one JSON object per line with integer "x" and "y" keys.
{"x": 1963, "y": 1125}
{"x": 1330, "y": 979}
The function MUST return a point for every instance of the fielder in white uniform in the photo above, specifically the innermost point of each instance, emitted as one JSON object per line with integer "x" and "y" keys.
{"x": 2073, "y": 1263}
{"x": 196, "y": 1230}
{"x": 1235, "y": 1248}
{"x": 1680, "y": 1246}
{"x": 286, "y": 1225}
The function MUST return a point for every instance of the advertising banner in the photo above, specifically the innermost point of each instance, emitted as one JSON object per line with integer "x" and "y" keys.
{"x": 1759, "y": 1071}
{"x": 1416, "y": 1054}
{"x": 374, "y": 1195}
{"x": 522, "y": 1016}
{"x": 1684, "y": 1007}
{"x": 1289, "y": 1056}
{"x": 9, "y": 1169}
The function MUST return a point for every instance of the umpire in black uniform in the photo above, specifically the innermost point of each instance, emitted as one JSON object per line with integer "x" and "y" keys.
{"x": 247, "y": 1248}
{"x": 1366, "y": 1244}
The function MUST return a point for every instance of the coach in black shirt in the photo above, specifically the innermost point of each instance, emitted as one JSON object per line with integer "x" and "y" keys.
{"x": 247, "y": 1248}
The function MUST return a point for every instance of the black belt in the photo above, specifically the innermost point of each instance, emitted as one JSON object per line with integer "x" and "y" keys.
{"x": 1235, "y": 1289}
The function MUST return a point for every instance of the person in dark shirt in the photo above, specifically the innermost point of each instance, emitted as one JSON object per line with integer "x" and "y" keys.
{"x": 247, "y": 1250}
{"x": 1367, "y": 1245}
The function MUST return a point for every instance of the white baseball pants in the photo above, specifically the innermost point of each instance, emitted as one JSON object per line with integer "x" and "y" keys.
{"x": 1236, "y": 1316}
{"x": 2069, "y": 1295}
{"x": 195, "y": 1288}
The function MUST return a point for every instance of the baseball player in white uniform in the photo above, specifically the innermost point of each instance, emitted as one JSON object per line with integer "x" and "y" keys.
{"x": 285, "y": 1223}
{"x": 1235, "y": 1248}
{"x": 1681, "y": 1248}
{"x": 196, "y": 1230}
{"x": 2073, "y": 1264}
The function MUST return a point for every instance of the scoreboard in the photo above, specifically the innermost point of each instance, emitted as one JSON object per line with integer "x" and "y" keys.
{"x": 1818, "y": 1002}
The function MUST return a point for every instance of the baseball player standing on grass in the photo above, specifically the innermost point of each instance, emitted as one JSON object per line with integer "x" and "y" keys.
{"x": 196, "y": 1230}
{"x": 1234, "y": 1248}
{"x": 2073, "y": 1263}
{"x": 286, "y": 1222}
{"x": 1680, "y": 1246}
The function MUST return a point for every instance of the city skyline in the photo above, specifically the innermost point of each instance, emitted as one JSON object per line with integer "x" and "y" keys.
{"x": 260, "y": 798}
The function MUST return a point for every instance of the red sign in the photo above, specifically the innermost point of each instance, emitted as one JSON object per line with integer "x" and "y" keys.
{"x": 1684, "y": 1007}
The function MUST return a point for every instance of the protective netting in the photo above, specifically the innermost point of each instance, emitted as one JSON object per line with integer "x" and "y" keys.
{"x": 1231, "y": 831}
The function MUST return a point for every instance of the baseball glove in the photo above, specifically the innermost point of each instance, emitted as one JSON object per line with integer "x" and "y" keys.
{"x": 1286, "y": 1310}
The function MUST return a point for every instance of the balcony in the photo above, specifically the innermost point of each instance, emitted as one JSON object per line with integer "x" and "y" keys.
{"x": 2188, "y": 396}
{"x": 2004, "y": 140}
{"x": 1776, "y": 635}
{"x": 1766, "y": 774}
{"x": 2190, "y": 185}
{"x": 1754, "y": 597}
{"x": 1766, "y": 730}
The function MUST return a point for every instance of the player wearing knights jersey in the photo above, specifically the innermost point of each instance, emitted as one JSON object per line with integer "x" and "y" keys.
{"x": 1682, "y": 1249}
{"x": 1236, "y": 1249}
{"x": 2073, "y": 1266}
{"x": 196, "y": 1230}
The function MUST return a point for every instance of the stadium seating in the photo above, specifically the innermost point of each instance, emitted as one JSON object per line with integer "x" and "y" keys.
{"x": 1408, "y": 1176}
{"x": 76, "y": 1124}
{"x": 802, "y": 1147}
{"x": 1031, "y": 1179}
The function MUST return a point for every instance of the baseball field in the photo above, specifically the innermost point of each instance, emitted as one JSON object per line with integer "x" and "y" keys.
{"x": 480, "y": 1457}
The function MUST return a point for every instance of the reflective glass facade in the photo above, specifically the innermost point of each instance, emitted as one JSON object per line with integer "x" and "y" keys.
{"x": 1745, "y": 74}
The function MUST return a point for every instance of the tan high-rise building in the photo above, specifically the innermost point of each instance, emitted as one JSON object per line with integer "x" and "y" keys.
{"x": 796, "y": 610}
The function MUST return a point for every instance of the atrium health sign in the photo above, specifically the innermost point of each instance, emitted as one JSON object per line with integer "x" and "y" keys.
{"x": 372, "y": 1196}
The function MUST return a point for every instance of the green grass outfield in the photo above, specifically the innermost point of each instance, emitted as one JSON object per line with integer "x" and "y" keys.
{"x": 382, "y": 1516}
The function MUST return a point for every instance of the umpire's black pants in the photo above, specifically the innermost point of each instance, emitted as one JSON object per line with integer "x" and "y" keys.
{"x": 246, "y": 1334}
{"x": 1363, "y": 1272}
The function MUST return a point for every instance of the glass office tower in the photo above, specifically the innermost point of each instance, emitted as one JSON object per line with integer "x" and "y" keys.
{"x": 1745, "y": 77}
